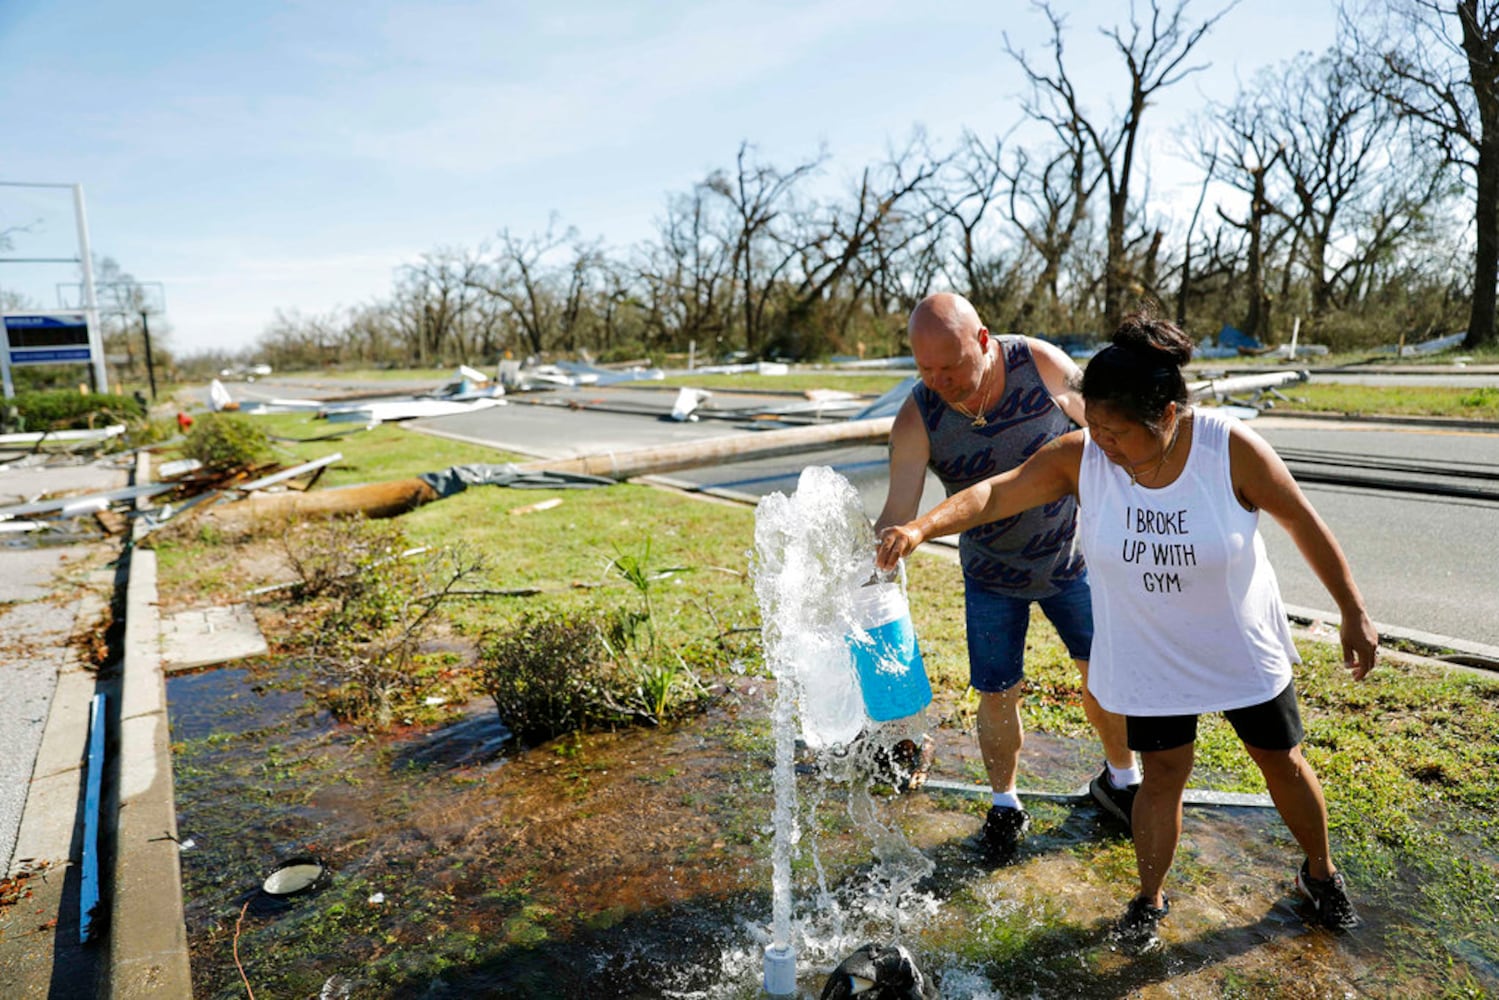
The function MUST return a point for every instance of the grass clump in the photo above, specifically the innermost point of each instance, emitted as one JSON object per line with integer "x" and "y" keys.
{"x": 1395, "y": 400}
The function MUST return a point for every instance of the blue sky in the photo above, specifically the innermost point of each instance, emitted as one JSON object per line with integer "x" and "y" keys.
{"x": 264, "y": 155}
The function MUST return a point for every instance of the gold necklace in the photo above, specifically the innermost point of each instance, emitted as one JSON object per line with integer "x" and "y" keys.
{"x": 1134, "y": 477}
{"x": 979, "y": 420}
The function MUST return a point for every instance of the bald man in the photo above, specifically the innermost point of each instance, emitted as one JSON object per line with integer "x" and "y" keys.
{"x": 984, "y": 405}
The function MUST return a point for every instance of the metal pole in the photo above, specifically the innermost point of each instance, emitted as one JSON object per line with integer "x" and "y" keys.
{"x": 91, "y": 303}
{"x": 150, "y": 368}
{"x": 10, "y": 387}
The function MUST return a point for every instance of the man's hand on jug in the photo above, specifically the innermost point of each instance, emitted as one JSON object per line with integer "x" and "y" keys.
{"x": 896, "y": 542}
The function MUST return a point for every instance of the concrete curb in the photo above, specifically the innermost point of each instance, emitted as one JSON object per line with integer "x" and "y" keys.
{"x": 148, "y": 954}
{"x": 1446, "y": 423}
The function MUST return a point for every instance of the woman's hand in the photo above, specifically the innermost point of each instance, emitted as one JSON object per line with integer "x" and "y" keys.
{"x": 1360, "y": 644}
{"x": 896, "y": 542}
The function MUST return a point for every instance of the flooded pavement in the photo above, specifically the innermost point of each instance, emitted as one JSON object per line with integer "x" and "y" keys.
{"x": 637, "y": 864}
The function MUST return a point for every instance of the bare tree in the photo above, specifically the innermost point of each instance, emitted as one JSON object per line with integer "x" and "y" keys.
{"x": 1355, "y": 193}
{"x": 840, "y": 251}
{"x": 1154, "y": 55}
{"x": 686, "y": 273}
{"x": 759, "y": 196}
{"x": 1048, "y": 202}
{"x": 544, "y": 292}
{"x": 1185, "y": 277}
{"x": 963, "y": 199}
{"x": 1249, "y": 151}
{"x": 1438, "y": 63}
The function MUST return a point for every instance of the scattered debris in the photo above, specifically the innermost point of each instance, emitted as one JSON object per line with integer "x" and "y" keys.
{"x": 317, "y": 467}
{"x": 1433, "y": 346}
{"x": 16, "y": 887}
{"x": 1233, "y": 389}
{"x": 532, "y": 508}
{"x": 219, "y": 398}
{"x": 178, "y": 469}
{"x": 205, "y": 636}
{"x": 688, "y": 400}
{"x": 38, "y": 438}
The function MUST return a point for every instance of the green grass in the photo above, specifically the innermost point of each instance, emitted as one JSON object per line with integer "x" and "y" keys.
{"x": 1394, "y": 400}
{"x": 387, "y": 451}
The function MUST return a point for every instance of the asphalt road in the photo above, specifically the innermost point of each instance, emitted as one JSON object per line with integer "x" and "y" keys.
{"x": 1424, "y": 565}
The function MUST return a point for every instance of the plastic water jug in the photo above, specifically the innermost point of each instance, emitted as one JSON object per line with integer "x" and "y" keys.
{"x": 892, "y": 675}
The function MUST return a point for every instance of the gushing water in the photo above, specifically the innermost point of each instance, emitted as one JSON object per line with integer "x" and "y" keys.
{"x": 813, "y": 551}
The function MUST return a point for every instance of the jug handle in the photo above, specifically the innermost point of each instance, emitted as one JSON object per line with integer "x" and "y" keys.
{"x": 898, "y": 574}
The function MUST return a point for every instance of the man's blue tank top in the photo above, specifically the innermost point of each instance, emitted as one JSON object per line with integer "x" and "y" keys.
{"x": 1035, "y": 553}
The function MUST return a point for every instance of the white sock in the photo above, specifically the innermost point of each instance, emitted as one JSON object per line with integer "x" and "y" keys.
{"x": 1123, "y": 777}
{"x": 1007, "y": 800}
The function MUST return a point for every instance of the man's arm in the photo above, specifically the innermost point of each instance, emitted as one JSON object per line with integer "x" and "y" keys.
{"x": 909, "y": 452}
{"x": 1061, "y": 376}
{"x": 1048, "y": 475}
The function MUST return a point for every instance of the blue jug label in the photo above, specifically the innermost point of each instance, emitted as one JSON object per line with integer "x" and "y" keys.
{"x": 892, "y": 675}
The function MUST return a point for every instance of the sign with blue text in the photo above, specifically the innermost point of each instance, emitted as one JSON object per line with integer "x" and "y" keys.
{"x": 47, "y": 338}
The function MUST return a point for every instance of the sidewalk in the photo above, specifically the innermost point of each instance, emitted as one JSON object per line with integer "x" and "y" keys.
{"x": 50, "y": 599}
{"x": 54, "y": 605}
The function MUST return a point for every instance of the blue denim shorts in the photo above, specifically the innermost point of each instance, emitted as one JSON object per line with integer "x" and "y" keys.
{"x": 997, "y": 624}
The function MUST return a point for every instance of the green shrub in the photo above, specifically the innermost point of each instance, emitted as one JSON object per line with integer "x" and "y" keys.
{"x": 548, "y": 675}
{"x": 64, "y": 409}
{"x": 224, "y": 441}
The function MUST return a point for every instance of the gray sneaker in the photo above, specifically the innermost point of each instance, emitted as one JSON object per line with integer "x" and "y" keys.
{"x": 1117, "y": 802}
{"x": 1329, "y": 897}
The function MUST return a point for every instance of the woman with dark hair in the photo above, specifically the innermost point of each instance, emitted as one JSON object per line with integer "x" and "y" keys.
{"x": 1187, "y": 612}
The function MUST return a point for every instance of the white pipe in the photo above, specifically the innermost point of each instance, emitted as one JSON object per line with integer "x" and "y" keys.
{"x": 780, "y": 970}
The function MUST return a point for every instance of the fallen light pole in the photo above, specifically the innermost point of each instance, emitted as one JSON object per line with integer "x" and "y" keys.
{"x": 397, "y": 496}
{"x": 731, "y": 448}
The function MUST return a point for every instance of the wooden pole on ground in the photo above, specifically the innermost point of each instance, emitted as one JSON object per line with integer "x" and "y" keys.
{"x": 397, "y": 496}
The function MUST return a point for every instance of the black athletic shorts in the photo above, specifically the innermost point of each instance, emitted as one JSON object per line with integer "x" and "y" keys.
{"x": 1270, "y": 725}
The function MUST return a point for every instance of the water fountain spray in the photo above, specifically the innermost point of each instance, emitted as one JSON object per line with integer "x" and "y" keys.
{"x": 823, "y": 629}
{"x": 810, "y": 549}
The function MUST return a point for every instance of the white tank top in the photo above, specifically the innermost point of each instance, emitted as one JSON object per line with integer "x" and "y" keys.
{"x": 1187, "y": 615}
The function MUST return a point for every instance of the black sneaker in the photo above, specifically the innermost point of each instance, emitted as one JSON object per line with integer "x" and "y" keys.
{"x": 1138, "y": 930}
{"x": 1329, "y": 897}
{"x": 1117, "y": 802}
{"x": 1003, "y": 830}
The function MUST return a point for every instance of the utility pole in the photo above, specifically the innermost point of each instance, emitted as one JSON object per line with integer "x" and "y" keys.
{"x": 150, "y": 368}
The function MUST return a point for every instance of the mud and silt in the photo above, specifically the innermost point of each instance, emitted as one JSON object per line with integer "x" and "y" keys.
{"x": 636, "y": 864}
